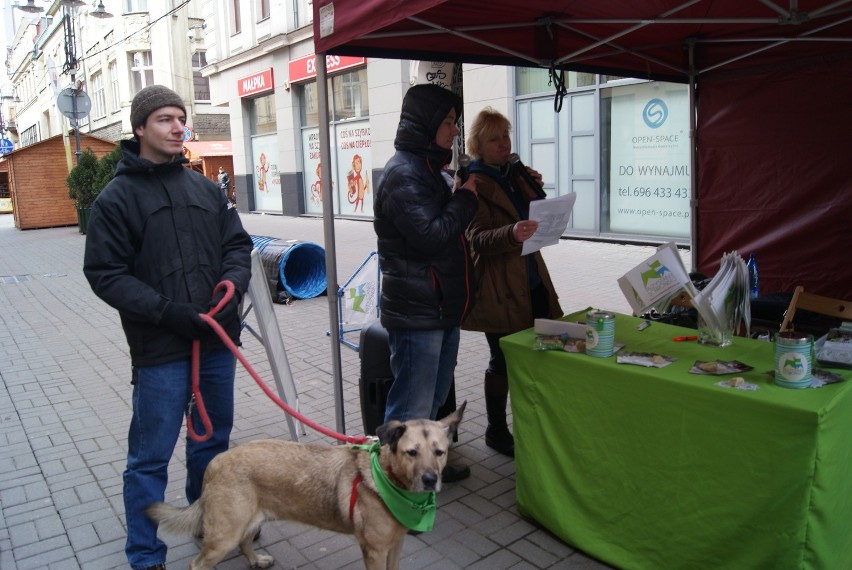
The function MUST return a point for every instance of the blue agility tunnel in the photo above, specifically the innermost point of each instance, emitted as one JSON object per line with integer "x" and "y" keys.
{"x": 295, "y": 267}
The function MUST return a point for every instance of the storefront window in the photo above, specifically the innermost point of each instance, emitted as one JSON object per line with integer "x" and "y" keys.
{"x": 351, "y": 185}
{"x": 645, "y": 161}
{"x": 262, "y": 115}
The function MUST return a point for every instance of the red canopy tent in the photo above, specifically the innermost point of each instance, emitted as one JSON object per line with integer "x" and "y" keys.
{"x": 637, "y": 38}
{"x": 770, "y": 84}
{"x": 772, "y": 88}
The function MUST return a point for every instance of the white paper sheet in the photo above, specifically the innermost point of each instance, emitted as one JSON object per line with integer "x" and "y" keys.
{"x": 552, "y": 216}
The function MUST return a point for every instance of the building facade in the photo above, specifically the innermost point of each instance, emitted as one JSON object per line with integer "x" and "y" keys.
{"x": 622, "y": 145}
{"x": 247, "y": 70}
{"x": 64, "y": 54}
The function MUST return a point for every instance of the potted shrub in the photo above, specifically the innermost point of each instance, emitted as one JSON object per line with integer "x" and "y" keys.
{"x": 106, "y": 168}
{"x": 87, "y": 179}
{"x": 81, "y": 186}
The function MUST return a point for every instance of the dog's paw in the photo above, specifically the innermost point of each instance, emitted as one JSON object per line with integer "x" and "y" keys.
{"x": 263, "y": 561}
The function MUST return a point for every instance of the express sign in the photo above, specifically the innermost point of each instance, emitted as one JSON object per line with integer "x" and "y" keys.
{"x": 256, "y": 84}
{"x": 305, "y": 68}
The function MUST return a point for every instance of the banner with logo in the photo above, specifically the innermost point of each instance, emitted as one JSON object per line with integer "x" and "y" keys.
{"x": 438, "y": 73}
{"x": 649, "y": 167}
{"x": 655, "y": 281}
{"x": 360, "y": 294}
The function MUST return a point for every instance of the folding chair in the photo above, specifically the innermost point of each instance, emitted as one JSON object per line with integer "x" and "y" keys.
{"x": 818, "y": 304}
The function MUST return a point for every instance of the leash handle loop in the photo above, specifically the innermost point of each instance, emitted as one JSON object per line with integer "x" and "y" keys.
{"x": 197, "y": 400}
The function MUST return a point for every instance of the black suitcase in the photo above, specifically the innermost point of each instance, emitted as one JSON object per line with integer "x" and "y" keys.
{"x": 376, "y": 378}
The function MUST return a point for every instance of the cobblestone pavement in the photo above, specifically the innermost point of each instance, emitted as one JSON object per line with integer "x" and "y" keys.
{"x": 65, "y": 408}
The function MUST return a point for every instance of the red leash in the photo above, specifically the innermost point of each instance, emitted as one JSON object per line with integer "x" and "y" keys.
{"x": 196, "y": 390}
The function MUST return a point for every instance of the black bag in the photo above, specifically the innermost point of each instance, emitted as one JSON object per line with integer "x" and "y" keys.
{"x": 376, "y": 378}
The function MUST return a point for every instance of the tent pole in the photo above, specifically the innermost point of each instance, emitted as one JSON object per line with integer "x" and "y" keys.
{"x": 330, "y": 247}
{"x": 693, "y": 161}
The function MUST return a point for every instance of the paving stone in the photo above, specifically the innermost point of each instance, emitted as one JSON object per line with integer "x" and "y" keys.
{"x": 65, "y": 404}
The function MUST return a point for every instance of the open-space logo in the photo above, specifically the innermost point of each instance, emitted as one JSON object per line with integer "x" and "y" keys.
{"x": 655, "y": 113}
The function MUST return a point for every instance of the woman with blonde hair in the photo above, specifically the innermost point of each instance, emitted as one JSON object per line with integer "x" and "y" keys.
{"x": 513, "y": 289}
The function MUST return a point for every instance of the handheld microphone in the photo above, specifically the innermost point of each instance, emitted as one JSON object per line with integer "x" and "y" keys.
{"x": 463, "y": 170}
{"x": 516, "y": 163}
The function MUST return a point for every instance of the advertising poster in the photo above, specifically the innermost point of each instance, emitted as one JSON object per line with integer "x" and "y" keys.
{"x": 313, "y": 176}
{"x": 649, "y": 172}
{"x": 438, "y": 73}
{"x": 267, "y": 181}
{"x": 354, "y": 168}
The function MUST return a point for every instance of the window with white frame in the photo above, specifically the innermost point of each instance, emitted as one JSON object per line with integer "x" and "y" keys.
{"x": 350, "y": 94}
{"x": 83, "y": 121}
{"x": 263, "y": 9}
{"x": 235, "y": 17}
{"x": 98, "y": 95}
{"x": 131, "y": 6}
{"x": 200, "y": 84}
{"x": 141, "y": 70}
{"x": 114, "y": 86}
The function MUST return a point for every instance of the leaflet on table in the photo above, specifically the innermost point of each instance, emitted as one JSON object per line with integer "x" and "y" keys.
{"x": 656, "y": 281}
{"x": 552, "y": 215}
{"x": 835, "y": 348}
{"x": 724, "y": 301}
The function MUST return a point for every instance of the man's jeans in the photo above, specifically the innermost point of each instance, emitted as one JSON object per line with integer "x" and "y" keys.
{"x": 423, "y": 363}
{"x": 160, "y": 396}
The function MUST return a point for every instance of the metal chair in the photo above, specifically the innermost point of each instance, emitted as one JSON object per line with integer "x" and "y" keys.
{"x": 816, "y": 303}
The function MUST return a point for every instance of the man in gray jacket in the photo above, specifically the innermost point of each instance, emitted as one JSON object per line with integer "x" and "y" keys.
{"x": 160, "y": 238}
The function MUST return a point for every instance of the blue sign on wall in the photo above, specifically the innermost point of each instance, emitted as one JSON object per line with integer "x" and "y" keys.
{"x": 6, "y": 146}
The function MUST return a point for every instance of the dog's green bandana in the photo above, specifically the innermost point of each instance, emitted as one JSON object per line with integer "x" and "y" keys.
{"x": 414, "y": 510}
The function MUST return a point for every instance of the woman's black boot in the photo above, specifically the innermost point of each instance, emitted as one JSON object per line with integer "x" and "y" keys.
{"x": 497, "y": 434}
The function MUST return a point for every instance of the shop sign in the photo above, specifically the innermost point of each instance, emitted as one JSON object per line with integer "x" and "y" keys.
{"x": 256, "y": 84}
{"x": 305, "y": 68}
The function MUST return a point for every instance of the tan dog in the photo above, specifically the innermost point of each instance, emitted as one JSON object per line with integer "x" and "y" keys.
{"x": 313, "y": 484}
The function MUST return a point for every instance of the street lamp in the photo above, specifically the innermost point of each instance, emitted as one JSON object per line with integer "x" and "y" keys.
{"x": 30, "y": 7}
{"x": 100, "y": 11}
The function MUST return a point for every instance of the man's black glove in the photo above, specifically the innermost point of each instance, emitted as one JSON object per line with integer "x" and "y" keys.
{"x": 231, "y": 309}
{"x": 183, "y": 319}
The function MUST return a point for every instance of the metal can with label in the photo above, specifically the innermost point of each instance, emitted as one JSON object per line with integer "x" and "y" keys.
{"x": 600, "y": 337}
{"x": 793, "y": 359}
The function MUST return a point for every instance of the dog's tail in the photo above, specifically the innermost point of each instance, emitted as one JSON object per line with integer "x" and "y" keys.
{"x": 186, "y": 520}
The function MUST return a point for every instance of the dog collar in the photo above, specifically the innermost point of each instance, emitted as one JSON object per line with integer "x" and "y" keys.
{"x": 414, "y": 510}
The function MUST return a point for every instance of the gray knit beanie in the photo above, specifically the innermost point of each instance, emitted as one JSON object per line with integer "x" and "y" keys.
{"x": 149, "y": 100}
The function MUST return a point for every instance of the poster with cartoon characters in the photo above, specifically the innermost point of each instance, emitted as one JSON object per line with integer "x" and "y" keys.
{"x": 267, "y": 179}
{"x": 354, "y": 168}
{"x": 314, "y": 184}
{"x": 351, "y": 169}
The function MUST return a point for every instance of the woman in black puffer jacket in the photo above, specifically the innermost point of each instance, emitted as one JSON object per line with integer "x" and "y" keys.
{"x": 428, "y": 284}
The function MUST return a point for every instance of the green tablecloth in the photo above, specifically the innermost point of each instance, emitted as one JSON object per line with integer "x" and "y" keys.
{"x": 659, "y": 469}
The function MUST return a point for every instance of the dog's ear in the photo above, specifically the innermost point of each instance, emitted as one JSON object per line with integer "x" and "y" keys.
{"x": 390, "y": 433}
{"x": 452, "y": 421}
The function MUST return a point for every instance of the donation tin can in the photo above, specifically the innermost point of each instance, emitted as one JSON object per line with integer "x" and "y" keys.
{"x": 600, "y": 337}
{"x": 793, "y": 359}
